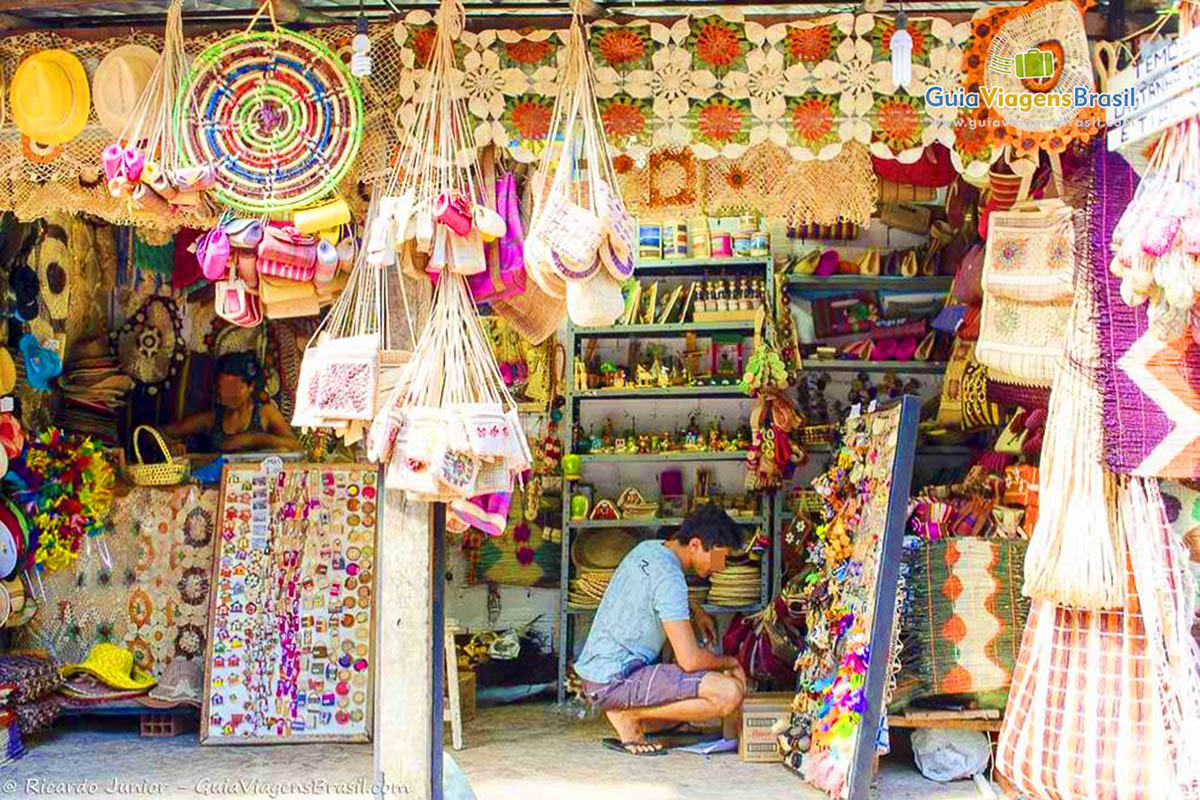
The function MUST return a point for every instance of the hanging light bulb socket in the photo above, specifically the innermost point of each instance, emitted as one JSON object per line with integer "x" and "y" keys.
{"x": 901, "y": 50}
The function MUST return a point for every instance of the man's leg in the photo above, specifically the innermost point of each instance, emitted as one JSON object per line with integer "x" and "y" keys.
{"x": 718, "y": 696}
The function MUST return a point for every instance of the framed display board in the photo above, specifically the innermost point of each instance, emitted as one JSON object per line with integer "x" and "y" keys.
{"x": 869, "y": 489}
{"x": 291, "y": 615}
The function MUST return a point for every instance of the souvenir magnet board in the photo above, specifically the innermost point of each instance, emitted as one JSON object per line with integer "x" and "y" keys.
{"x": 870, "y": 495}
{"x": 291, "y": 616}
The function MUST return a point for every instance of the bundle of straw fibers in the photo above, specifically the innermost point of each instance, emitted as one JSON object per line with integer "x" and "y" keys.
{"x": 1073, "y": 558}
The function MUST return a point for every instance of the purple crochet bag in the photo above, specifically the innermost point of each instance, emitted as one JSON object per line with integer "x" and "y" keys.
{"x": 505, "y": 276}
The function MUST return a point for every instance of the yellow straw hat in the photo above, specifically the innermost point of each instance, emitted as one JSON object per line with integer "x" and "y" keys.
{"x": 113, "y": 665}
{"x": 8, "y": 372}
{"x": 49, "y": 97}
{"x": 118, "y": 83}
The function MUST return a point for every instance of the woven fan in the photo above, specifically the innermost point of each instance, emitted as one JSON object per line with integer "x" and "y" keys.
{"x": 580, "y": 239}
{"x": 144, "y": 164}
{"x": 1018, "y": 63}
{"x": 449, "y": 428}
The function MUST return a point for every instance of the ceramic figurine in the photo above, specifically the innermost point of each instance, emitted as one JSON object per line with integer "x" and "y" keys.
{"x": 619, "y": 445}
{"x": 655, "y": 444}
{"x": 645, "y": 377}
{"x": 606, "y": 435}
{"x": 581, "y": 375}
{"x": 619, "y": 378}
{"x": 666, "y": 442}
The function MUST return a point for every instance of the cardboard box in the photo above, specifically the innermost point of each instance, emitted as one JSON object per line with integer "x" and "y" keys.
{"x": 758, "y": 743}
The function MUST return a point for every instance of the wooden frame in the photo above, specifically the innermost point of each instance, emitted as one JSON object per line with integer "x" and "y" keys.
{"x": 368, "y": 723}
{"x": 884, "y": 599}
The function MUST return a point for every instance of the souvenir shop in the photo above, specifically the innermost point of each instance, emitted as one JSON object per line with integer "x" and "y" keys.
{"x": 275, "y": 289}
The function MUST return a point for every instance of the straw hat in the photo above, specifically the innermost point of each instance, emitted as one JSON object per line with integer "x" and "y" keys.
{"x": 8, "y": 372}
{"x": 10, "y": 549}
{"x": 180, "y": 683}
{"x": 601, "y": 549}
{"x": 49, "y": 97}
{"x": 113, "y": 665}
{"x": 118, "y": 83}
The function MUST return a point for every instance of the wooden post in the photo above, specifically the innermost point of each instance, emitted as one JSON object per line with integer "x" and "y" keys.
{"x": 405, "y": 660}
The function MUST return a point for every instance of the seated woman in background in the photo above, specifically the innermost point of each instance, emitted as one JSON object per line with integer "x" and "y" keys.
{"x": 238, "y": 421}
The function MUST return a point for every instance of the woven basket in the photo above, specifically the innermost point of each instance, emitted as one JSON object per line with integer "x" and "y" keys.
{"x": 165, "y": 473}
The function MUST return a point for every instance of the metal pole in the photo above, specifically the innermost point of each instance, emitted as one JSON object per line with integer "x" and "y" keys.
{"x": 438, "y": 622}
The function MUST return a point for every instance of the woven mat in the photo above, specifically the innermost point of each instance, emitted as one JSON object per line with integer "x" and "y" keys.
{"x": 963, "y": 620}
{"x": 1151, "y": 388}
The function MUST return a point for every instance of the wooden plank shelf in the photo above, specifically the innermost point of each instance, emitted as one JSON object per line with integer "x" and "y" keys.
{"x": 665, "y": 330}
{"x": 852, "y": 365}
{"x": 917, "y": 283}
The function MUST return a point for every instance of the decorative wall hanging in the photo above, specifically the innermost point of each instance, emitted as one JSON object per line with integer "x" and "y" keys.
{"x": 290, "y": 654}
{"x": 1001, "y": 35}
{"x": 277, "y": 115}
{"x": 150, "y": 345}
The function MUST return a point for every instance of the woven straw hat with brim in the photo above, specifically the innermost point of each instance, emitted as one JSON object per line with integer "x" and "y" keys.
{"x": 11, "y": 541}
{"x": 49, "y": 97}
{"x": 180, "y": 683}
{"x": 118, "y": 83}
{"x": 601, "y": 550}
{"x": 113, "y": 665}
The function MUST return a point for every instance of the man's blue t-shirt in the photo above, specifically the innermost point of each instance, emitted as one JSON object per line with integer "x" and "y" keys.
{"x": 647, "y": 590}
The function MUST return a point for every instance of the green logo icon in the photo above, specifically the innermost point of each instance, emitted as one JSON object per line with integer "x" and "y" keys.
{"x": 1032, "y": 63}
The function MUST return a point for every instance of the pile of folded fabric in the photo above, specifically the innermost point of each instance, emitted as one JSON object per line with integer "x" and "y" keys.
{"x": 28, "y": 703}
{"x": 94, "y": 389}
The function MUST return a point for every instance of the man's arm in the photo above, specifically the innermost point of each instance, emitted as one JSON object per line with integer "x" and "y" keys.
{"x": 688, "y": 654}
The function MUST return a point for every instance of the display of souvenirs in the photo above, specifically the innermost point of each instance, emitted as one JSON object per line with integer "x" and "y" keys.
{"x": 290, "y": 653}
{"x": 146, "y": 164}
{"x": 693, "y": 439}
{"x": 724, "y": 298}
{"x": 837, "y": 589}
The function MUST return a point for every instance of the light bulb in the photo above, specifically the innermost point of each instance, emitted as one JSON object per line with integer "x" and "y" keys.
{"x": 360, "y": 62}
{"x": 901, "y": 47}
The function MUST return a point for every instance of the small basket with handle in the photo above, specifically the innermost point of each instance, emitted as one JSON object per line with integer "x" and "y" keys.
{"x": 164, "y": 473}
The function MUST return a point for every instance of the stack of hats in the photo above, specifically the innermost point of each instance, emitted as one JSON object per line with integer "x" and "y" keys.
{"x": 697, "y": 594}
{"x": 30, "y": 682}
{"x": 94, "y": 389}
{"x": 107, "y": 674}
{"x": 736, "y": 585}
{"x": 18, "y": 551}
{"x": 17, "y": 605}
{"x": 596, "y": 555}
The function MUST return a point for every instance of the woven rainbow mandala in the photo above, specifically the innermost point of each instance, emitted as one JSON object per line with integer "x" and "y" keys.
{"x": 276, "y": 113}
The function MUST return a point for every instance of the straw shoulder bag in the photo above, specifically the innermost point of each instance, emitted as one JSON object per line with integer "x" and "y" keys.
{"x": 1028, "y": 270}
{"x": 168, "y": 472}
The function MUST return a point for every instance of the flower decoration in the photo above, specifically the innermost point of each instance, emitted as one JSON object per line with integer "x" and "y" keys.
{"x": 530, "y": 118}
{"x": 898, "y": 122}
{"x": 528, "y": 51}
{"x": 70, "y": 490}
{"x": 736, "y": 178}
{"x": 812, "y": 121}
{"x": 619, "y": 46}
{"x": 671, "y": 83}
{"x": 422, "y": 41}
{"x": 521, "y": 533}
{"x": 623, "y": 164}
{"x": 721, "y": 126}
{"x": 623, "y": 118}
{"x": 525, "y": 555}
{"x": 810, "y": 44}
{"x": 717, "y": 43}
{"x": 672, "y": 178}
{"x": 486, "y": 84}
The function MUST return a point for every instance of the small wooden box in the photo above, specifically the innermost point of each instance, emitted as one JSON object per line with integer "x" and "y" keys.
{"x": 760, "y": 713}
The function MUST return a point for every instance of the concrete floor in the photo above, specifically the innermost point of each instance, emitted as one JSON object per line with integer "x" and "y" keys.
{"x": 523, "y": 752}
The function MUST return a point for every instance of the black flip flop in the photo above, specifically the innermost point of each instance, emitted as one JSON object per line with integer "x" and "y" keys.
{"x": 616, "y": 745}
{"x": 676, "y": 731}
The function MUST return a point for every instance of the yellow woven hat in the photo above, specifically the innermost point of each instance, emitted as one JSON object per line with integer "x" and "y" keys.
{"x": 8, "y": 372}
{"x": 113, "y": 665}
{"x": 49, "y": 97}
{"x": 118, "y": 83}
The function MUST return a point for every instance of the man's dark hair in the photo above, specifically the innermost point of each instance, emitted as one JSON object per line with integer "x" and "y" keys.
{"x": 712, "y": 526}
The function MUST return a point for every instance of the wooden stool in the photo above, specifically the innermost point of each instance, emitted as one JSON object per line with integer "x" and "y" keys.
{"x": 453, "y": 710}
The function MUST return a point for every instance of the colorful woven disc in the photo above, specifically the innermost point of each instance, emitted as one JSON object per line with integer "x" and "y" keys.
{"x": 276, "y": 113}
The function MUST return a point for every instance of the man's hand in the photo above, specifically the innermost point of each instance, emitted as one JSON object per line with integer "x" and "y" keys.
{"x": 738, "y": 674}
{"x": 705, "y": 624}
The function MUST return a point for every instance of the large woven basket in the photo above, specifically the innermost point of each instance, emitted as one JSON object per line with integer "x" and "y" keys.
{"x": 164, "y": 473}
